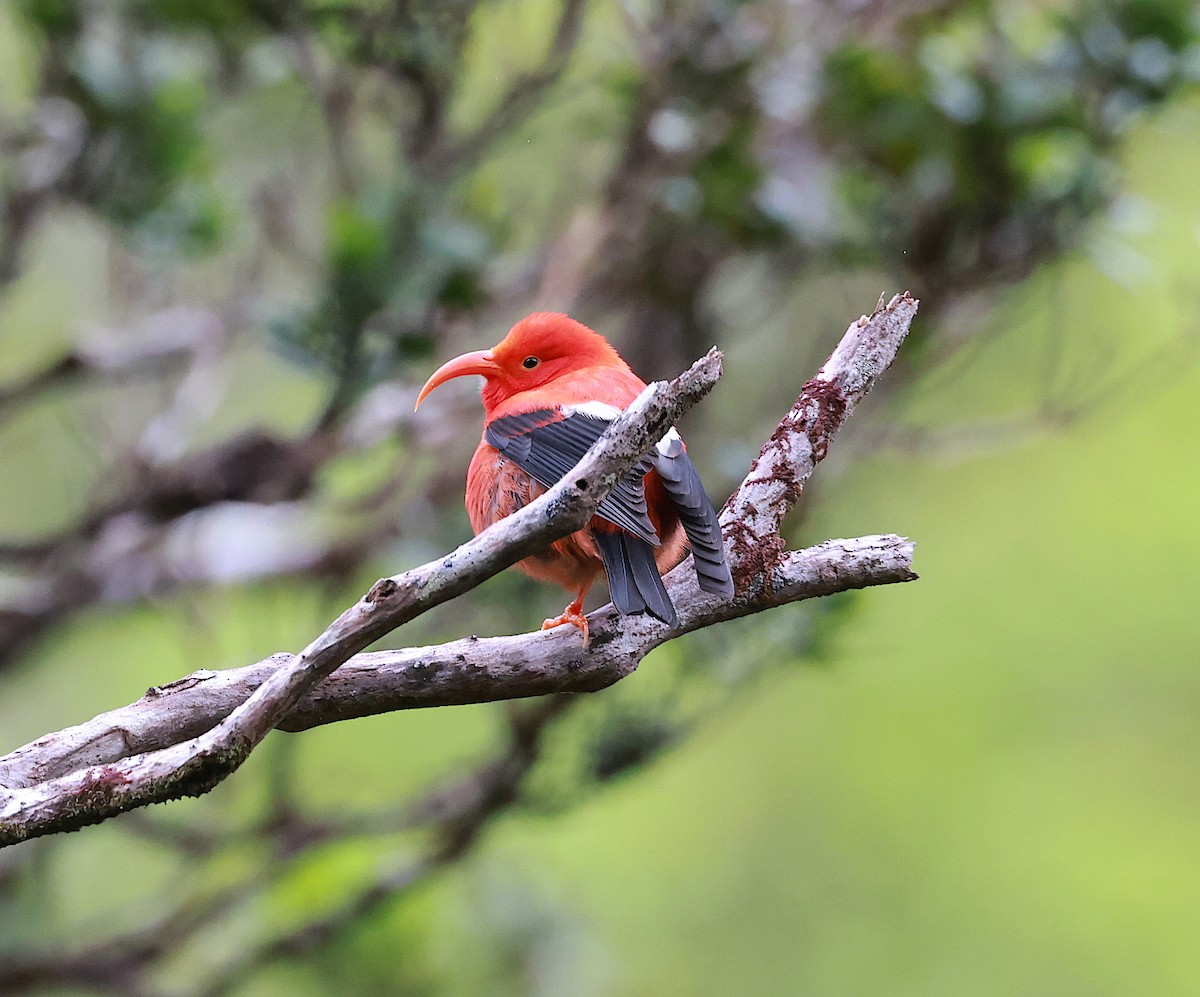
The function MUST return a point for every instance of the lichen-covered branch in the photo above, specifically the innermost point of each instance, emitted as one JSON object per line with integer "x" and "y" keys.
{"x": 752, "y": 517}
{"x": 472, "y": 670}
{"x": 184, "y": 737}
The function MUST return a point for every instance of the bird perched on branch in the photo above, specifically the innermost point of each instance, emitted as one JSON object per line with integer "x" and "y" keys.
{"x": 551, "y": 387}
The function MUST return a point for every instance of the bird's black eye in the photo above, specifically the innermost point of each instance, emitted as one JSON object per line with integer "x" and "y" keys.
{"x": 530, "y": 362}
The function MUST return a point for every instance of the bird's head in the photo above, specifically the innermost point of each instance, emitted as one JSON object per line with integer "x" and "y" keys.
{"x": 536, "y": 350}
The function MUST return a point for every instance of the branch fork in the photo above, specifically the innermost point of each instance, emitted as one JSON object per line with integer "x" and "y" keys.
{"x": 186, "y": 736}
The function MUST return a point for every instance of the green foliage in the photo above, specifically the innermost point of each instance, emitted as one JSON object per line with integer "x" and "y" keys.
{"x": 54, "y": 17}
{"x": 391, "y": 261}
{"x": 728, "y": 177}
{"x": 144, "y": 163}
{"x": 984, "y": 140}
{"x": 223, "y": 20}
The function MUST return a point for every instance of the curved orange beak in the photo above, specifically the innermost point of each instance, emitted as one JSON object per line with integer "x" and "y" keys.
{"x": 479, "y": 362}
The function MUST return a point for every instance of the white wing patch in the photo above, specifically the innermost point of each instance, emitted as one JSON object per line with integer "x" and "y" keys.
{"x": 669, "y": 445}
{"x": 595, "y": 410}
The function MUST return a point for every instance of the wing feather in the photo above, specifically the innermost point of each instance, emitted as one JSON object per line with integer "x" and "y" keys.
{"x": 696, "y": 512}
{"x": 547, "y": 443}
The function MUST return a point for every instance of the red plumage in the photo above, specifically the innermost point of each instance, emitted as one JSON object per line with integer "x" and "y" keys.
{"x": 574, "y": 382}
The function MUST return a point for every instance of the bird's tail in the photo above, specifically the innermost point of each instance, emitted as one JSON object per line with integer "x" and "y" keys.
{"x": 633, "y": 579}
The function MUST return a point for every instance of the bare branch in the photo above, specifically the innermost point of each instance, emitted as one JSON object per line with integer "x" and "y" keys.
{"x": 473, "y": 670}
{"x": 167, "y": 341}
{"x": 184, "y": 737}
{"x": 194, "y": 766}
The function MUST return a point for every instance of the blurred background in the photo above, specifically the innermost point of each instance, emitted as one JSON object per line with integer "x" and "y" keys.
{"x": 236, "y": 236}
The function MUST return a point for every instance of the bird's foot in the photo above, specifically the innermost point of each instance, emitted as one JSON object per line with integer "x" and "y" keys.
{"x": 573, "y": 614}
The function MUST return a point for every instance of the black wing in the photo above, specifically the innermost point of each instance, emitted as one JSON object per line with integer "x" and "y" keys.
{"x": 697, "y": 514}
{"x": 546, "y": 444}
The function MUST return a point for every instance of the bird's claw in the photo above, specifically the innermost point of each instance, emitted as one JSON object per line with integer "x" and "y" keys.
{"x": 573, "y": 615}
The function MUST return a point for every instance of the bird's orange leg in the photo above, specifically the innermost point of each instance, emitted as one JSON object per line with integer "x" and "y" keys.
{"x": 573, "y": 614}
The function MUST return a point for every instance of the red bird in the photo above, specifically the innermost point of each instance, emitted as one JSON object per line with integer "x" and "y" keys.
{"x": 551, "y": 388}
